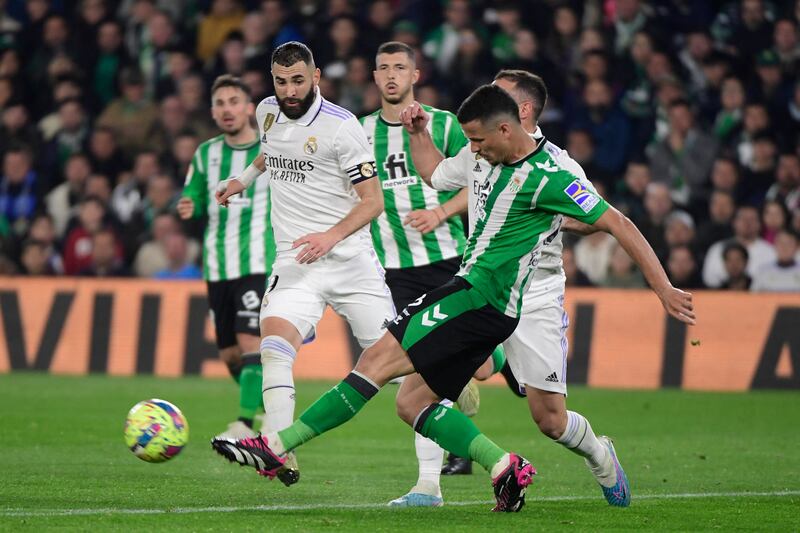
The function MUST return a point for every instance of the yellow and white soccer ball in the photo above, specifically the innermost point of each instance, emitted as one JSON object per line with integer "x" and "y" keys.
{"x": 156, "y": 430}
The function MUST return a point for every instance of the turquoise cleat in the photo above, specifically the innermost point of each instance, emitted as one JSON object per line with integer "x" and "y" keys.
{"x": 620, "y": 494}
{"x": 417, "y": 499}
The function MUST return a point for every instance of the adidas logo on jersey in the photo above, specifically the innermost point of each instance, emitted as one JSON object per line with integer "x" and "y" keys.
{"x": 477, "y": 168}
{"x": 552, "y": 378}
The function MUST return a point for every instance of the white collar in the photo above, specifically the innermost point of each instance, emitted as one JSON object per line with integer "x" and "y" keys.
{"x": 309, "y": 115}
{"x": 537, "y": 133}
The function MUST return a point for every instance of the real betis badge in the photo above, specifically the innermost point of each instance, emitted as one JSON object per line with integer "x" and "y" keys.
{"x": 515, "y": 185}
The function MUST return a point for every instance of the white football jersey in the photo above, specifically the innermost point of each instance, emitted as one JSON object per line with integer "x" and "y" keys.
{"x": 312, "y": 164}
{"x": 467, "y": 169}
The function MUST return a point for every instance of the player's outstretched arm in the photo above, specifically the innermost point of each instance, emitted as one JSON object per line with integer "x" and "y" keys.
{"x": 315, "y": 245}
{"x": 424, "y": 153}
{"x": 678, "y": 303}
{"x": 427, "y": 220}
{"x": 230, "y": 187}
{"x": 579, "y": 228}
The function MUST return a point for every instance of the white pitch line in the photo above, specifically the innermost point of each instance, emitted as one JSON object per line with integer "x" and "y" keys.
{"x": 329, "y": 506}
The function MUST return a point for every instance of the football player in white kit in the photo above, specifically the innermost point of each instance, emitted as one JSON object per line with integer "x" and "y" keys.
{"x": 537, "y": 350}
{"x": 324, "y": 193}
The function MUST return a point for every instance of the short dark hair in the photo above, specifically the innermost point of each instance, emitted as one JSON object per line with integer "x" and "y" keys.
{"x": 735, "y": 246}
{"x": 487, "y": 102}
{"x": 396, "y": 47}
{"x": 529, "y": 84}
{"x": 292, "y": 52}
{"x": 680, "y": 102}
{"x": 229, "y": 80}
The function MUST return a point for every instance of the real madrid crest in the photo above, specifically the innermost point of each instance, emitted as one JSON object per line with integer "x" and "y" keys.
{"x": 311, "y": 146}
{"x": 367, "y": 170}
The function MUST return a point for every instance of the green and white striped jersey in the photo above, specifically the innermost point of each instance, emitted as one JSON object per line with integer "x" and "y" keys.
{"x": 238, "y": 239}
{"x": 518, "y": 212}
{"x": 400, "y": 246}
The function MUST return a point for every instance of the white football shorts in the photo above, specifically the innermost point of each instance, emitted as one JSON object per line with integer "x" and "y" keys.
{"x": 537, "y": 350}
{"x": 354, "y": 288}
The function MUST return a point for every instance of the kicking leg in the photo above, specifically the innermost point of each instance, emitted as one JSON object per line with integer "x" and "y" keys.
{"x": 573, "y": 431}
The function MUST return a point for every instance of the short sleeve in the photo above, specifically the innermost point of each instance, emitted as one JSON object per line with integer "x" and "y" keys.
{"x": 355, "y": 154}
{"x": 195, "y": 186}
{"x": 451, "y": 173}
{"x": 566, "y": 194}
{"x": 455, "y": 136}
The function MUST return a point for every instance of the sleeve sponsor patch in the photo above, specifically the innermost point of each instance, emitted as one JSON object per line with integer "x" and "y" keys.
{"x": 582, "y": 196}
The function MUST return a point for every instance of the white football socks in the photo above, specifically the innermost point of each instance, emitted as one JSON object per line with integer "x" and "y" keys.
{"x": 429, "y": 457}
{"x": 277, "y": 358}
{"x": 579, "y": 438}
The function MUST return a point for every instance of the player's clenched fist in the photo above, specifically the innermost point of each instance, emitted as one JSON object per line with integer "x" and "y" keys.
{"x": 226, "y": 189}
{"x": 414, "y": 118}
{"x": 185, "y": 208}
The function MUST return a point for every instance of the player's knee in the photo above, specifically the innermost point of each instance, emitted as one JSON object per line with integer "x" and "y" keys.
{"x": 231, "y": 356}
{"x": 551, "y": 423}
{"x": 277, "y": 352}
{"x": 408, "y": 408}
{"x": 483, "y": 373}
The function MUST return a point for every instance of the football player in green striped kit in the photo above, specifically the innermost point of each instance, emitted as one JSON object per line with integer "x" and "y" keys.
{"x": 238, "y": 247}
{"x": 420, "y": 236}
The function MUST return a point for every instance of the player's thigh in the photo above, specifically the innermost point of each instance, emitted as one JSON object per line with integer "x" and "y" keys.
{"x": 223, "y": 315}
{"x": 408, "y": 284}
{"x": 447, "y": 337}
{"x": 356, "y": 290}
{"x": 537, "y": 350}
{"x": 247, "y": 294}
{"x": 384, "y": 360}
{"x": 292, "y": 297}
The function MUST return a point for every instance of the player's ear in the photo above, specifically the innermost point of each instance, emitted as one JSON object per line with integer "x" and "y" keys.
{"x": 317, "y": 76}
{"x": 416, "y": 76}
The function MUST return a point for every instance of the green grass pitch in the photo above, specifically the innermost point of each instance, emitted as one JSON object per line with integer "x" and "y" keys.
{"x": 696, "y": 461}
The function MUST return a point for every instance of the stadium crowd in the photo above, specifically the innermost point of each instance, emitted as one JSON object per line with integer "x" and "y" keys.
{"x": 685, "y": 114}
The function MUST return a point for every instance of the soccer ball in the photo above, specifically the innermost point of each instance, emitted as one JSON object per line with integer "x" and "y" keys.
{"x": 155, "y": 430}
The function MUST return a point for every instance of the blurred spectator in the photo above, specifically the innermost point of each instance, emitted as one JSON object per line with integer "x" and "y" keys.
{"x": 16, "y": 128}
{"x": 192, "y": 95}
{"x": 110, "y": 60}
{"x": 127, "y": 197}
{"x": 254, "y": 34}
{"x": 180, "y": 267}
{"x": 679, "y": 229}
{"x": 575, "y": 276}
{"x": 682, "y": 268}
{"x": 224, "y": 17}
{"x": 161, "y": 197}
{"x": 230, "y": 58}
{"x": 562, "y": 47}
{"x": 607, "y": 125}
{"x": 473, "y": 57}
{"x": 154, "y": 53}
{"x": 657, "y": 205}
{"x": 99, "y": 185}
{"x": 725, "y": 177}
{"x": 774, "y": 218}
{"x": 732, "y": 98}
{"x": 503, "y": 41}
{"x": 78, "y": 242}
{"x": 256, "y": 80}
{"x": 441, "y": 45}
{"x": 683, "y": 160}
{"x": 756, "y": 120}
{"x": 105, "y": 258}
{"x": 593, "y": 255}
{"x": 91, "y": 14}
{"x": 19, "y": 189}
{"x": 786, "y": 188}
{"x": 279, "y": 30}
{"x": 717, "y": 226}
{"x": 622, "y": 272}
{"x": 172, "y": 121}
{"x": 770, "y": 87}
{"x": 380, "y": 16}
{"x": 744, "y": 26}
{"x": 152, "y": 255}
{"x": 71, "y": 138}
{"x": 181, "y": 155}
{"x": 746, "y": 230}
{"x": 43, "y": 231}
{"x": 62, "y": 201}
{"x": 735, "y": 263}
{"x": 341, "y": 45}
{"x": 104, "y": 153}
{"x": 697, "y": 49}
{"x": 759, "y": 174}
{"x": 629, "y": 196}
{"x": 630, "y": 17}
{"x": 180, "y": 64}
{"x": 355, "y": 84}
{"x": 34, "y": 259}
{"x": 130, "y": 117}
{"x": 580, "y": 147}
{"x": 784, "y": 273}
{"x": 787, "y": 46}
